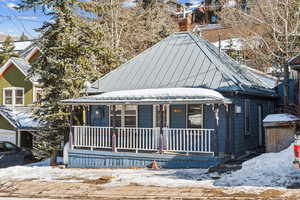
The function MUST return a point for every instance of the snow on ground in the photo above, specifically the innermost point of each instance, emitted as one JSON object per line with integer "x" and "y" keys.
{"x": 267, "y": 170}
{"x": 120, "y": 177}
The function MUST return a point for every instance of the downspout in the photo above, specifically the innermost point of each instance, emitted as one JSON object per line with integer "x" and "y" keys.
{"x": 161, "y": 135}
{"x": 113, "y": 142}
{"x": 286, "y": 85}
{"x": 216, "y": 136}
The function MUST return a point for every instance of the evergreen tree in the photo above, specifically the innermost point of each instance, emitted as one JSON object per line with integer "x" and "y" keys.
{"x": 23, "y": 37}
{"x": 72, "y": 52}
{"x": 6, "y": 50}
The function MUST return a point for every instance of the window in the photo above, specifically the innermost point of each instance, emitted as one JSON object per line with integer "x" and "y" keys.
{"x": 130, "y": 116}
{"x": 8, "y": 97}
{"x": 247, "y": 118}
{"x": 118, "y": 115}
{"x": 19, "y": 97}
{"x": 195, "y": 116}
{"x": 126, "y": 115}
{"x": 13, "y": 96}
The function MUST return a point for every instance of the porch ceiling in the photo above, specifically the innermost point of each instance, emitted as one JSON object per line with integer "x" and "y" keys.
{"x": 152, "y": 96}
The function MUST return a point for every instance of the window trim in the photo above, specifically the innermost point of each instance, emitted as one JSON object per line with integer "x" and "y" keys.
{"x": 13, "y": 89}
{"x": 123, "y": 116}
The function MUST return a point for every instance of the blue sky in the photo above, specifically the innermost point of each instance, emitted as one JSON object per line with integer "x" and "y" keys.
{"x": 14, "y": 22}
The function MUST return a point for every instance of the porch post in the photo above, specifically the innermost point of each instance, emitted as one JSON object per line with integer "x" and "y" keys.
{"x": 84, "y": 116}
{"x": 216, "y": 136}
{"x": 18, "y": 142}
{"x": 161, "y": 135}
{"x": 113, "y": 142}
{"x": 71, "y": 127}
{"x": 88, "y": 116}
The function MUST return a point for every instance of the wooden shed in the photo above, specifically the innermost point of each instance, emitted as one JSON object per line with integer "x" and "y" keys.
{"x": 279, "y": 131}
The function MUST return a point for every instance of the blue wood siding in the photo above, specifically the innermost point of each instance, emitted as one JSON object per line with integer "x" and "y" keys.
{"x": 177, "y": 116}
{"x": 209, "y": 122}
{"x": 100, "y": 119}
{"x": 145, "y": 116}
{"x": 247, "y": 142}
{"x": 293, "y": 91}
{"x": 98, "y": 159}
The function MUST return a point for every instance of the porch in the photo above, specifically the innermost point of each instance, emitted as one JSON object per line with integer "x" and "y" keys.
{"x": 177, "y": 128}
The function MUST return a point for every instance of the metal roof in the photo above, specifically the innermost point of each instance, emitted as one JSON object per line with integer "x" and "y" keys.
{"x": 183, "y": 60}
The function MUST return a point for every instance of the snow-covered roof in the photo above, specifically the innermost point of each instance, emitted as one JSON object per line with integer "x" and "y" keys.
{"x": 21, "y": 45}
{"x": 21, "y": 119}
{"x": 238, "y": 44}
{"x": 284, "y": 117}
{"x": 129, "y": 4}
{"x": 158, "y": 95}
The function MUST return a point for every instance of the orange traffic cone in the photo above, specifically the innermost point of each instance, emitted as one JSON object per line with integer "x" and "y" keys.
{"x": 154, "y": 165}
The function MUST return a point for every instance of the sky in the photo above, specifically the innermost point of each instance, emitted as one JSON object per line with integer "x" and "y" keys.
{"x": 15, "y": 22}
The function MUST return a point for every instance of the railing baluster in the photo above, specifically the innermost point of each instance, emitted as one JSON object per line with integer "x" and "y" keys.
{"x": 176, "y": 139}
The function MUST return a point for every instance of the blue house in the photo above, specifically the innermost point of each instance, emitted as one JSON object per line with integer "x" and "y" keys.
{"x": 181, "y": 103}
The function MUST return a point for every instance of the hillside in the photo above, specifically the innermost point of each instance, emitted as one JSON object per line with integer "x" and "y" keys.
{"x": 3, "y": 36}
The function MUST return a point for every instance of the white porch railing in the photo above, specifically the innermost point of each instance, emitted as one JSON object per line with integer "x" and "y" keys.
{"x": 92, "y": 137}
{"x": 137, "y": 138}
{"x": 188, "y": 140}
{"x": 146, "y": 139}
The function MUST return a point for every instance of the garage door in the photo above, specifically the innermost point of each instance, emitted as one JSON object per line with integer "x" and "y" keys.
{"x": 8, "y": 136}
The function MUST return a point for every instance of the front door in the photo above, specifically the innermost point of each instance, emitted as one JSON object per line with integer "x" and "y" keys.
{"x": 260, "y": 126}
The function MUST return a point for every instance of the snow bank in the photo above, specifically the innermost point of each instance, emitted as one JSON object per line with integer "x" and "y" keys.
{"x": 45, "y": 162}
{"x": 281, "y": 118}
{"x": 120, "y": 177}
{"x": 269, "y": 169}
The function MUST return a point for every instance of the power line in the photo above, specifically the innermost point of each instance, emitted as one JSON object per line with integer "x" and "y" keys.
{"x": 23, "y": 18}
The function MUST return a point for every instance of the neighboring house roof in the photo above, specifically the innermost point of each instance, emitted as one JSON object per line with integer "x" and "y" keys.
{"x": 238, "y": 44}
{"x": 21, "y": 46}
{"x": 20, "y": 119}
{"x": 23, "y": 65}
{"x": 30, "y": 52}
{"x": 183, "y": 60}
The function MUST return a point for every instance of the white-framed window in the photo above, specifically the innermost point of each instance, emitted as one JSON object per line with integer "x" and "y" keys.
{"x": 13, "y": 96}
{"x": 194, "y": 113}
{"x": 126, "y": 115}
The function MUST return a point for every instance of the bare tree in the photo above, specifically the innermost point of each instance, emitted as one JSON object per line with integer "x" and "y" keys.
{"x": 131, "y": 30}
{"x": 276, "y": 24}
